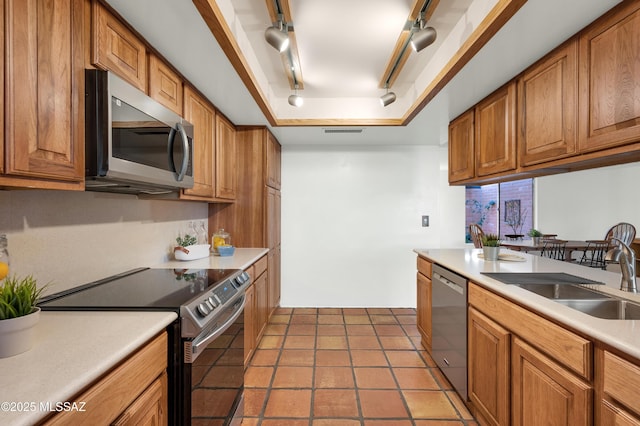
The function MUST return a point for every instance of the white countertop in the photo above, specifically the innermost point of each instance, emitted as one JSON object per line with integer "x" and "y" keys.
{"x": 72, "y": 350}
{"x": 241, "y": 259}
{"x": 621, "y": 334}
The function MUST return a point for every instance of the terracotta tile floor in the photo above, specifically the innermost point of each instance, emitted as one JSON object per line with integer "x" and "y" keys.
{"x": 347, "y": 367}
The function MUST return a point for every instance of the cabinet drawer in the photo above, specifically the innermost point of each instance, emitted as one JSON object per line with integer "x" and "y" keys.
{"x": 564, "y": 346}
{"x": 424, "y": 266}
{"x": 622, "y": 380}
{"x": 259, "y": 267}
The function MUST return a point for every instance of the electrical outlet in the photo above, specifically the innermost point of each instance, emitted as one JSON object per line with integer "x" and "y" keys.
{"x": 425, "y": 221}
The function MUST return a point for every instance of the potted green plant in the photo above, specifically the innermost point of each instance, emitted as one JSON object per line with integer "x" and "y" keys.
{"x": 18, "y": 314}
{"x": 535, "y": 235}
{"x": 490, "y": 246}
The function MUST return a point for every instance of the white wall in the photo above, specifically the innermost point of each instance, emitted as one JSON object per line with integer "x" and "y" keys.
{"x": 70, "y": 238}
{"x": 351, "y": 217}
{"x": 583, "y": 205}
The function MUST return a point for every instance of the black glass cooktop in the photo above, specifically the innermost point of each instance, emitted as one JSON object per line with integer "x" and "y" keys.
{"x": 146, "y": 289}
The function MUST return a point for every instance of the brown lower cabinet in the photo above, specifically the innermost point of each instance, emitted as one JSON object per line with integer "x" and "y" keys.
{"x": 256, "y": 311}
{"x": 423, "y": 306}
{"x": 133, "y": 393}
{"x": 520, "y": 375}
{"x": 527, "y": 370}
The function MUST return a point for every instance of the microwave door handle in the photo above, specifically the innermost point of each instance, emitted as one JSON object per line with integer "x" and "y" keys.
{"x": 185, "y": 149}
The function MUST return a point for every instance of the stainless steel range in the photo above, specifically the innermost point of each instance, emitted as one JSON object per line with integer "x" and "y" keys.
{"x": 206, "y": 343}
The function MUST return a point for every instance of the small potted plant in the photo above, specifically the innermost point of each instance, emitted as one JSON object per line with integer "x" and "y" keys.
{"x": 535, "y": 235}
{"x": 490, "y": 246}
{"x": 18, "y": 314}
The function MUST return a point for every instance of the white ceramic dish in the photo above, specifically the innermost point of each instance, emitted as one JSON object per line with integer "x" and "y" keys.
{"x": 196, "y": 251}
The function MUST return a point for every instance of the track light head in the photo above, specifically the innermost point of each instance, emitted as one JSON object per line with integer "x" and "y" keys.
{"x": 295, "y": 100}
{"x": 423, "y": 38}
{"x": 277, "y": 37}
{"x": 387, "y": 98}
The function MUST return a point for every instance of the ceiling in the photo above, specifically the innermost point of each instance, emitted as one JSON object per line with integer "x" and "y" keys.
{"x": 344, "y": 48}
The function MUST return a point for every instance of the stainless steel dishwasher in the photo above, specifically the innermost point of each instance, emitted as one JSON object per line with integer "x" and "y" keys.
{"x": 449, "y": 326}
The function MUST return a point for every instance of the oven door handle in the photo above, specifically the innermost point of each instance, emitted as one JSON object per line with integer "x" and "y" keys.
{"x": 204, "y": 341}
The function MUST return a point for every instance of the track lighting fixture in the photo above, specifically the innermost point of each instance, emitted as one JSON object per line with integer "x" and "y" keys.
{"x": 295, "y": 100}
{"x": 387, "y": 98}
{"x": 422, "y": 37}
{"x": 277, "y": 36}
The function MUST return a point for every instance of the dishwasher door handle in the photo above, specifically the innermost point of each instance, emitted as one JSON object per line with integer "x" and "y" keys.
{"x": 453, "y": 286}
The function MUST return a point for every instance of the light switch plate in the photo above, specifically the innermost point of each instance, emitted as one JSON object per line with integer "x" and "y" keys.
{"x": 425, "y": 221}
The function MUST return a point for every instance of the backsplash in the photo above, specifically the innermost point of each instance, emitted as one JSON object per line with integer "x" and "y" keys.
{"x": 71, "y": 238}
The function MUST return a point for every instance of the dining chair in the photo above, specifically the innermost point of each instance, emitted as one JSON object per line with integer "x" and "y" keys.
{"x": 554, "y": 248}
{"x": 623, "y": 231}
{"x": 594, "y": 255}
{"x": 476, "y": 235}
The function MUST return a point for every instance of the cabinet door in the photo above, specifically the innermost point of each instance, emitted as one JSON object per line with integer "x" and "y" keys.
{"x": 461, "y": 158}
{"x": 226, "y": 160}
{"x": 44, "y": 97}
{"x": 615, "y": 416}
{"x": 273, "y": 201}
{"x": 495, "y": 135}
{"x": 165, "y": 86}
{"x": 548, "y": 104}
{"x": 423, "y": 310}
{"x": 201, "y": 114}
{"x": 274, "y": 279}
{"x": 118, "y": 49}
{"x": 150, "y": 408}
{"x": 609, "y": 76}
{"x": 262, "y": 304}
{"x": 489, "y": 362}
{"x": 249, "y": 323}
{"x": 272, "y": 168}
{"x": 544, "y": 393}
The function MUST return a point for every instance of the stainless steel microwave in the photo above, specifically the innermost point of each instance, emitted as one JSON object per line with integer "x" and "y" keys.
{"x": 133, "y": 144}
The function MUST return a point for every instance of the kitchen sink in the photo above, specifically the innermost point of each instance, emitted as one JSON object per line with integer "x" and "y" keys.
{"x": 563, "y": 291}
{"x": 605, "y": 308}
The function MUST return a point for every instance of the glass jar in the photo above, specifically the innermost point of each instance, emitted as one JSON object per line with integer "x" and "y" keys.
{"x": 220, "y": 238}
{"x": 4, "y": 257}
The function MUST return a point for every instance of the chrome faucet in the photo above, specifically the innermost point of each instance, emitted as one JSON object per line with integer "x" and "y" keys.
{"x": 627, "y": 259}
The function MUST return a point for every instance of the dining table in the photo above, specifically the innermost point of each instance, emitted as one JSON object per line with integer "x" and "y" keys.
{"x": 528, "y": 245}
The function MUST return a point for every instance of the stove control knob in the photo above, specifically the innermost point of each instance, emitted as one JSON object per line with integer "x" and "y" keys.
{"x": 209, "y": 305}
{"x": 203, "y": 310}
{"x": 213, "y": 302}
{"x": 215, "y": 296}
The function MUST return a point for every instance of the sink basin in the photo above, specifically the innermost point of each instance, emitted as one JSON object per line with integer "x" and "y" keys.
{"x": 563, "y": 291}
{"x": 605, "y": 308}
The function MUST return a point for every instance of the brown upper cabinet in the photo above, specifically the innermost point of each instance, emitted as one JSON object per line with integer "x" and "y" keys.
{"x": 118, "y": 49}
{"x": 495, "y": 132}
{"x": 461, "y": 153}
{"x": 273, "y": 162}
{"x": 226, "y": 161}
{"x": 577, "y": 108}
{"x": 199, "y": 112}
{"x": 547, "y": 107}
{"x": 43, "y": 145}
{"x": 609, "y": 76}
{"x": 165, "y": 85}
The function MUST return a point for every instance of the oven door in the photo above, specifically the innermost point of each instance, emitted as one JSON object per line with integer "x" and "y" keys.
{"x": 214, "y": 370}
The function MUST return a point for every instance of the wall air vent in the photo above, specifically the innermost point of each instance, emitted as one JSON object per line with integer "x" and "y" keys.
{"x": 343, "y": 130}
